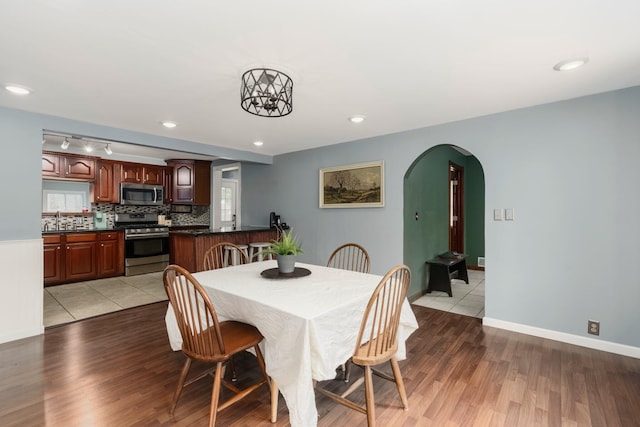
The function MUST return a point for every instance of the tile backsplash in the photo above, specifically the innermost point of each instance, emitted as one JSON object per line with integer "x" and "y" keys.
{"x": 84, "y": 221}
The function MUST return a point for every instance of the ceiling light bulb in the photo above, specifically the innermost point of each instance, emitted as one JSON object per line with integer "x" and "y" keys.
{"x": 107, "y": 149}
{"x": 88, "y": 148}
{"x": 169, "y": 125}
{"x": 258, "y": 143}
{"x": 65, "y": 144}
{"x": 356, "y": 119}
{"x": 18, "y": 90}
{"x": 570, "y": 64}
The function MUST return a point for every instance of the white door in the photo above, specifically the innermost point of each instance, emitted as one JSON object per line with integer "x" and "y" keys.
{"x": 228, "y": 202}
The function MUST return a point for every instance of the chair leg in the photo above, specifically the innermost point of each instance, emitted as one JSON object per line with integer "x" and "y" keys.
{"x": 181, "y": 380}
{"x": 368, "y": 391}
{"x": 215, "y": 394}
{"x": 232, "y": 365}
{"x": 399, "y": 382}
{"x": 347, "y": 371}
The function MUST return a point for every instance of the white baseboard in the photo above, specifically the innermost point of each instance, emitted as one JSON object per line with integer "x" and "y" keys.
{"x": 624, "y": 350}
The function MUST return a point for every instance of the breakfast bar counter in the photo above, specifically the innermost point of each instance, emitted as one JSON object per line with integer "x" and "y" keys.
{"x": 187, "y": 247}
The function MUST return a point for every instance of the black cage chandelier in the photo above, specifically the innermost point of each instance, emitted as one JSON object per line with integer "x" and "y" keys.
{"x": 265, "y": 92}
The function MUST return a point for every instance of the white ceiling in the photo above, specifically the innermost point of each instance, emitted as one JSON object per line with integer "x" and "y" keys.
{"x": 402, "y": 64}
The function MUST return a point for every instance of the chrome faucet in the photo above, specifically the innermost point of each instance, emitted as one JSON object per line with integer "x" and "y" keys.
{"x": 57, "y": 220}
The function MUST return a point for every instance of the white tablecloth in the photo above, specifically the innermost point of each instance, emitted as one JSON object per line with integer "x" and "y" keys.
{"x": 310, "y": 324}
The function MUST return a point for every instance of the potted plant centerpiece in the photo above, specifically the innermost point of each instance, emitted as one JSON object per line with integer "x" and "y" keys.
{"x": 285, "y": 251}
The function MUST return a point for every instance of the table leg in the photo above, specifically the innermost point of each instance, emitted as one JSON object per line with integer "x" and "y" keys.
{"x": 274, "y": 401}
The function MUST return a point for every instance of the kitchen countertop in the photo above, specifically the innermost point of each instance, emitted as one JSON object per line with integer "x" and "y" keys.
{"x": 222, "y": 230}
{"x": 83, "y": 230}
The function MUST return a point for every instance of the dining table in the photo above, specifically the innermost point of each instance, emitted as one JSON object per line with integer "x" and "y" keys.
{"x": 309, "y": 321}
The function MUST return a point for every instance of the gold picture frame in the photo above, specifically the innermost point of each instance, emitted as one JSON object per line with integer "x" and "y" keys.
{"x": 358, "y": 185}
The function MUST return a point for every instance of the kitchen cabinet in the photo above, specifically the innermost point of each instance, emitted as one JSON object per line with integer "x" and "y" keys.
{"x": 81, "y": 256}
{"x": 53, "y": 265}
{"x": 111, "y": 254}
{"x": 68, "y": 166}
{"x": 73, "y": 257}
{"x": 191, "y": 182}
{"x": 168, "y": 185}
{"x": 187, "y": 248}
{"x": 50, "y": 165}
{"x": 106, "y": 185}
{"x": 139, "y": 173}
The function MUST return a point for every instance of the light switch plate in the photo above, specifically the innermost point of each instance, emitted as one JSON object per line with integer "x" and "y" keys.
{"x": 497, "y": 214}
{"x": 508, "y": 214}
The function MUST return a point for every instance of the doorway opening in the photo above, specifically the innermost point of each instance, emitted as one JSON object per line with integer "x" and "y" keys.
{"x": 444, "y": 209}
{"x": 456, "y": 208}
{"x": 226, "y": 196}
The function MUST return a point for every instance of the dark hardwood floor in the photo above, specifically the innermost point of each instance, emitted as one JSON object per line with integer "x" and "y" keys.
{"x": 118, "y": 370}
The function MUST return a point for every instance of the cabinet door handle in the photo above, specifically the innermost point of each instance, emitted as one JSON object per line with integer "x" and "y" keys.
{"x": 102, "y": 244}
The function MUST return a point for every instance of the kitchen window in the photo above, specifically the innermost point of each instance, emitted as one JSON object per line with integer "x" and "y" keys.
{"x": 58, "y": 196}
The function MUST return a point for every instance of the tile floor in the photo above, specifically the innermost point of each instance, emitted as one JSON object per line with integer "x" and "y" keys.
{"x": 68, "y": 303}
{"x": 468, "y": 299}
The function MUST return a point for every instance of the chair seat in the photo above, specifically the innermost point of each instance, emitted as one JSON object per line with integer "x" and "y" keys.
{"x": 237, "y": 337}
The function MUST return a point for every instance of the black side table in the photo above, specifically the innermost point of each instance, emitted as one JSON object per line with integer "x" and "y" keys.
{"x": 445, "y": 267}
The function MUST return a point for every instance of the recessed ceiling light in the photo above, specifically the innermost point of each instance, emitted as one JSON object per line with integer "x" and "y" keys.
{"x": 87, "y": 147}
{"x": 258, "y": 143}
{"x": 18, "y": 90}
{"x": 570, "y": 64}
{"x": 356, "y": 119}
{"x": 169, "y": 124}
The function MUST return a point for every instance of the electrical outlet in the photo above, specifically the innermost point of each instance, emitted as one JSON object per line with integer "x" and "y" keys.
{"x": 593, "y": 327}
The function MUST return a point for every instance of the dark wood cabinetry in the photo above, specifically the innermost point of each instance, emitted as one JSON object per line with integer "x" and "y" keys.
{"x": 138, "y": 173}
{"x": 81, "y": 255}
{"x": 110, "y": 254}
{"x": 50, "y": 165}
{"x": 191, "y": 182}
{"x": 187, "y": 249}
{"x": 53, "y": 266}
{"x": 105, "y": 188}
{"x": 168, "y": 185}
{"x": 74, "y": 257}
{"x": 68, "y": 166}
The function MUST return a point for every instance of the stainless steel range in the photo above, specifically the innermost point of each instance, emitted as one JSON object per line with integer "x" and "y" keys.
{"x": 146, "y": 243}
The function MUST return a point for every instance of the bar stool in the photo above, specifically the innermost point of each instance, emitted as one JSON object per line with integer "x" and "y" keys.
{"x": 258, "y": 247}
{"x": 235, "y": 257}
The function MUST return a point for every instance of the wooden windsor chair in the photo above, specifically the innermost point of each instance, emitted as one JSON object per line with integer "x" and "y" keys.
{"x": 207, "y": 340}
{"x": 377, "y": 341}
{"x": 350, "y": 256}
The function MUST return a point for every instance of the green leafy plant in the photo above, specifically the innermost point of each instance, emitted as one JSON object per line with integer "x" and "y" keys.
{"x": 287, "y": 245}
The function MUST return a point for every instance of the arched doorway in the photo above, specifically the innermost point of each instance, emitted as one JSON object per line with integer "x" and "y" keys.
{"x": 428, "y": 222}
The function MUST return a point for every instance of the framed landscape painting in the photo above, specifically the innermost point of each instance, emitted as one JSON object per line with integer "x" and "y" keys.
{"x": 352, "y": 186}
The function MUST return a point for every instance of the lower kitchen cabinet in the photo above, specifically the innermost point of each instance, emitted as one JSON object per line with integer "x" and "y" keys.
{"x": 81, "y": 256}
{"x": 110, "y": 254}
{"x": 53, "y": 261}
{"x": 74, "y": 257}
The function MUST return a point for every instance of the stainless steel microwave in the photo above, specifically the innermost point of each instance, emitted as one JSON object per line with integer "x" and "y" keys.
{"x": 141, "y": 194}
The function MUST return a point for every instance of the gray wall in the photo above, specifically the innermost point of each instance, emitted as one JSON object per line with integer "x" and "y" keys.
{"x": 567, "y": 168}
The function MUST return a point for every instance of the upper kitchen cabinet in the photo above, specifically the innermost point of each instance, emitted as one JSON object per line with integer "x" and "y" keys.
{"x": 168, "y": 185}
{"x": 68, "y": 166}
{"x": 105, "y": 188}
{"x": 138, "y": 173}
{"x": 191, "y": 182}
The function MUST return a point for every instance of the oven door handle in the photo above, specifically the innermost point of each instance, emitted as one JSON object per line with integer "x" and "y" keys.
{"x": 145, "y": 236}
